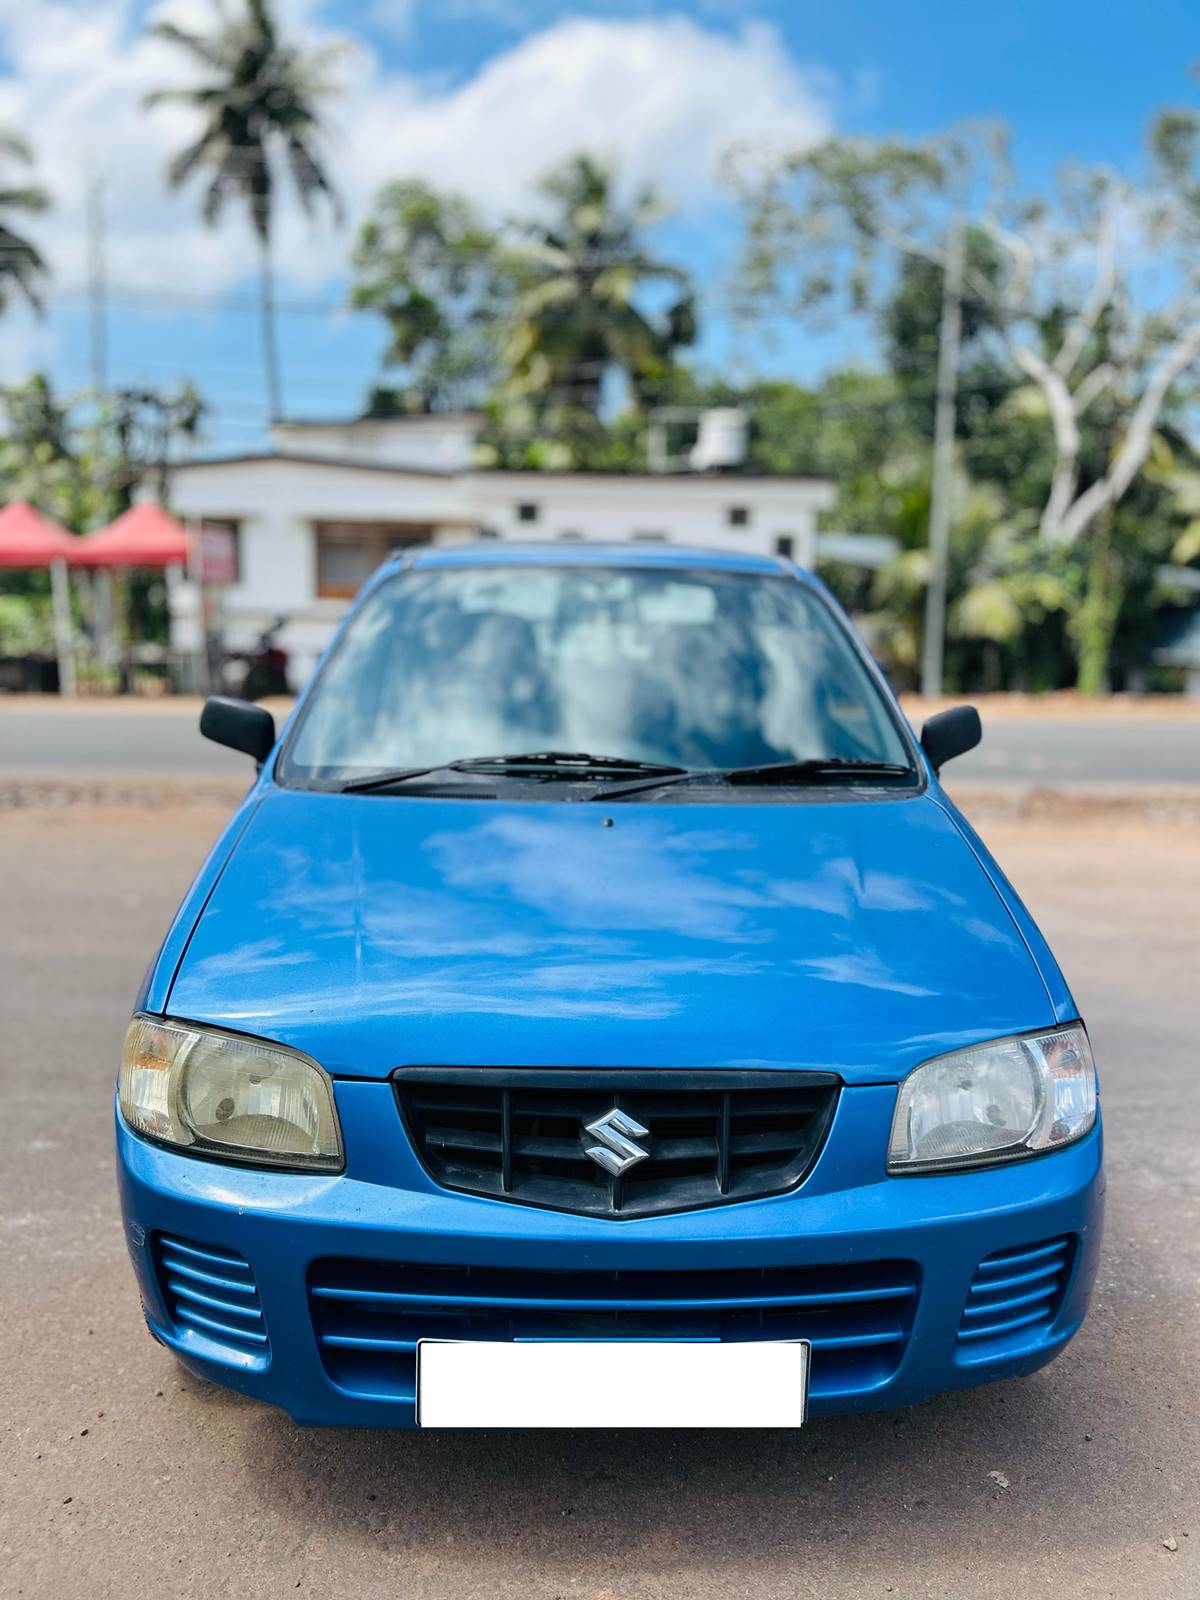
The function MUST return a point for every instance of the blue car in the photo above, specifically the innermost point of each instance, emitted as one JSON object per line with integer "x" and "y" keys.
{"x": 597, "y": 1014}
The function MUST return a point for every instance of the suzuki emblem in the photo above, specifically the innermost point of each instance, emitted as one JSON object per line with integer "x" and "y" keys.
{"x": 614, "y": 1149}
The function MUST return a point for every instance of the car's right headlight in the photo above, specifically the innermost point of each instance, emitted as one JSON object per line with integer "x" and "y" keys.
{"x": 215, "y": 1093}
{"x": 995, "y": 1102}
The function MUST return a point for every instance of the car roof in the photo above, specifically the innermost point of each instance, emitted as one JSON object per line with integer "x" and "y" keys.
{"x": 572, "y": 553}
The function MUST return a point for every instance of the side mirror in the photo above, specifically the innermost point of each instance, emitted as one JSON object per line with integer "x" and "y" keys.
{"x": 951, "y": 733}
{"x": 239, "y": 725}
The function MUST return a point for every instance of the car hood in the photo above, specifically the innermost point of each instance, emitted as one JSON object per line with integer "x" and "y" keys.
{"x": 375, "y": 931}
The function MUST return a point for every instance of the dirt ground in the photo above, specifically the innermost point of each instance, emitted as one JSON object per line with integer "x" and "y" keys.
{"x": 123, "y": 1477}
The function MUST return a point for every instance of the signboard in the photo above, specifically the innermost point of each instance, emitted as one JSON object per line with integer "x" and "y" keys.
{"x": 217, "y": 552}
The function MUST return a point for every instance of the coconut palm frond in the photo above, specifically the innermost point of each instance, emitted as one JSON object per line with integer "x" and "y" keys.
{"x": 22, "y": 266}
{"x": 15, "y": 147}
{"x": 212, "y": 52}
{"x": 579, "y": 276}
{"x": 29, "y": 197}
{"x": 265, "y": 99}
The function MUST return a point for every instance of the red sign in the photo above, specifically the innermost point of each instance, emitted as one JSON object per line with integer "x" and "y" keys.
{"x": 218, "y": 554}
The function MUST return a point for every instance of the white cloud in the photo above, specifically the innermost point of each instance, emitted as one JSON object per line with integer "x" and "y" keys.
{"x": 664, "y": 97}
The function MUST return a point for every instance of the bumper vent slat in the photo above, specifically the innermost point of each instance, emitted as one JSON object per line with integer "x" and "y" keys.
{"x": 1012, "y": 1292}
{"x": 518, "y": 1134}
{"x": 210, "y": 1290}
{"x": 369, "y": 1316}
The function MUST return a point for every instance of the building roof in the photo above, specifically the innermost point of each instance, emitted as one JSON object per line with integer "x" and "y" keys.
{"x": 365, "y": 419}
{"x": 725, "y": 481}
{"x": 303, "y": 459}
{"x": 748, "y": 478}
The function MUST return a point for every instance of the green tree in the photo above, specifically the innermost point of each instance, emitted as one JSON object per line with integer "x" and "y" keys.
{"x": 425, "y": 262}
{"x": 1093, "y": 365}
{"x": 578, "y": 313}
{"x": 22, "y": 267}
{"x": 259, "y": 102}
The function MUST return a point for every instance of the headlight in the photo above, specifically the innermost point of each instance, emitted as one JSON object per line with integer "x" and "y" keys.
{"x": 995, "y": 1102}
{"x": 218, "y": 1094}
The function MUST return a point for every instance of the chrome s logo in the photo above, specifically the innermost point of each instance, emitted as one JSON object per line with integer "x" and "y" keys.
{"x": 613, "y": 1147}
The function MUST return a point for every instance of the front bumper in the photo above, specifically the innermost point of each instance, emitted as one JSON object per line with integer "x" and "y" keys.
{"x": 329, "y": 1277}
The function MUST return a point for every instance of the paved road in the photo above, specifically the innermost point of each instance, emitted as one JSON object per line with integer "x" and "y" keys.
{"x": 124, "y": 1478}
{"x": 39, "y": 741}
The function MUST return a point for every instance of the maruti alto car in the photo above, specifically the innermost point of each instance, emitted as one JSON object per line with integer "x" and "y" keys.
{"x": 597, "y": 1013}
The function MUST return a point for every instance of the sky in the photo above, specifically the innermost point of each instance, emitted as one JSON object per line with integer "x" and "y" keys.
{"x": 483, "y": 95}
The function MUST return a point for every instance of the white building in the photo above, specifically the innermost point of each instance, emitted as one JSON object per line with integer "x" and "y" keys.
{"x": 317, "y": 514}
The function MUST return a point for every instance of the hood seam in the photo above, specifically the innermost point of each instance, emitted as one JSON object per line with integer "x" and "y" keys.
{"x": 950, "y": 812}
{"x": 212, "y": 889}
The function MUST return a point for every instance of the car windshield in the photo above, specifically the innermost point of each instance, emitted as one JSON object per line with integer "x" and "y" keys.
{"x": 688, "y": 668}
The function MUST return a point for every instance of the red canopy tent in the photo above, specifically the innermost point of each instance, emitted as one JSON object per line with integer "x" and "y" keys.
{"x": 29, "y": 540}
{"x": 143, "y": 536}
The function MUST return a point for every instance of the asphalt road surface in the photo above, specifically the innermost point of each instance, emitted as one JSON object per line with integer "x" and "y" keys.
{"x": 124, "y": 1477}
{"x": 99, "y": 741}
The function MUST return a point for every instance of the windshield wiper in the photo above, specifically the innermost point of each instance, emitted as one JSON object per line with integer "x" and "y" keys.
{"x": 820, "y": 769}
{"x": 385, "y": 779}
{"x": 566, "y": 763}
{"x": 817, "y": 770}
{"x": 569, "y": 762}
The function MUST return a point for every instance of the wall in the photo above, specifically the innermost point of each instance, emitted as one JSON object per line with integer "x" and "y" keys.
{"x": 683, "y": 510}
{"x": 434, "y": 443}
{"x": 276, "y": 501}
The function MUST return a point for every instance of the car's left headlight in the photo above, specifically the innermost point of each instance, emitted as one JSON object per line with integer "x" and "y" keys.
{"x": 220, "y": 1094}
{"x": 995, "y": 1102}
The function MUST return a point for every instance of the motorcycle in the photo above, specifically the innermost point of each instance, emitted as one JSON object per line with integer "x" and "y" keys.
{"x": 260, "y": 671}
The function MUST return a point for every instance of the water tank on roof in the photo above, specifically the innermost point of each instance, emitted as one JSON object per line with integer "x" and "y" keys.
{"x": 721, "y": 441}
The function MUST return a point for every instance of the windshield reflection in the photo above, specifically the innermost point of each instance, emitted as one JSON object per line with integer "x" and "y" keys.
{"x": 687, "y": 668}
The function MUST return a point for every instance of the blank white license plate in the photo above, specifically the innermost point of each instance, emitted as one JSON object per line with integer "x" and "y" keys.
{"x": 477, "y": 1384}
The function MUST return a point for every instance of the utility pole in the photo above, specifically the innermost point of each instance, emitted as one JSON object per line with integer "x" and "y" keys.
{"x": 940, "y": 507}
{"x": 103, "y": 608}
{"x": 97, "y": 288}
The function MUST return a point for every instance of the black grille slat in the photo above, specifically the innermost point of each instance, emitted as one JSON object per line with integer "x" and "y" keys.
{"x": 518, "y": 1134}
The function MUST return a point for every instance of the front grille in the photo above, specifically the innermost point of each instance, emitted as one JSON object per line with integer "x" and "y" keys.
{"x": 369, "y": 1315}
{"x": 1013, "y": 1294}
{"x": 210, "y": 1290}
{"x": 518, "y": 1134}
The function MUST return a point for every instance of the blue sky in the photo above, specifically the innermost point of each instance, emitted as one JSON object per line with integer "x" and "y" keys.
{"x": 482, "y": 95}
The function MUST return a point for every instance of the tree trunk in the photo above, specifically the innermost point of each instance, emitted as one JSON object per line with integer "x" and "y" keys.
{"x": 266, "y": 302}
{"x": 1096, "y": 620}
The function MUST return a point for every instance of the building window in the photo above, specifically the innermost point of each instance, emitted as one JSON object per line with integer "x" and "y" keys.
{"x": 349, "y": 552}
{"x": 785, "y": 545}
{"x": 527, "y": 511}
{"x": 739, "y": 516}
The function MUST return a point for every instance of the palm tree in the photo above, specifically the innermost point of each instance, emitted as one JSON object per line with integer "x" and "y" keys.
{"x": 259, "y": 99}
{"x": 579, "y": 276}
{"x": 21, "y": 264}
